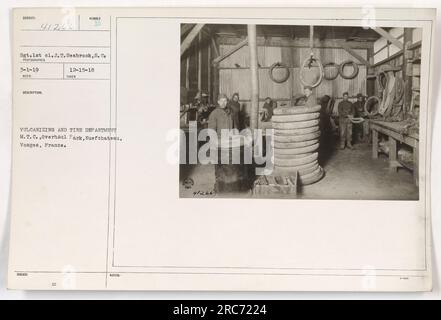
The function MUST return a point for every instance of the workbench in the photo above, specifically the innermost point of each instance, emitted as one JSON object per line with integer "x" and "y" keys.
{"x": 394, "y": 131}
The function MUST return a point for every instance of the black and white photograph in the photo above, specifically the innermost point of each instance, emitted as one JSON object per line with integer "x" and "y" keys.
{"x": 299, "y": 111}
{"x": 221, "y": 151}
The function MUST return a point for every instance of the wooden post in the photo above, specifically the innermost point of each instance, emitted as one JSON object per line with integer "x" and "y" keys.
{"x": 392, "y": 154}
{"x": 374, "y": 144}
{"x": 215, "y": 48}
{"x": 407, "y": 69}
{"x": 254, "y": 72}
{"x": 370, "y": 83}
{"x": 215, "y": 72}
{"x": 187, "y": 73}
{"x": 209, "y": 72}
{"x": 200, "y": 62}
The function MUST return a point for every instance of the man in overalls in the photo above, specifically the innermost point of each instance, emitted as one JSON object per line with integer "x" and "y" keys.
{"x": 345, "y": 110}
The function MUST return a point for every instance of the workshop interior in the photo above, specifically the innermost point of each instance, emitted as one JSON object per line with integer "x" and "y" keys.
{"x": 338, "y": 108}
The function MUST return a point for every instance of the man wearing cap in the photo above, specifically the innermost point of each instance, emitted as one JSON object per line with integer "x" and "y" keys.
{"x": 345, "y": 110}
{"x": 311, "y": 100}
{"x": 220, "y": 118}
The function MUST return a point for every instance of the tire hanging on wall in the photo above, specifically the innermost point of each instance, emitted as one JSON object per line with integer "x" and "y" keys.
{"x": 372, "y": 113}
{"x": 380, "y": 76}
{"x": 333, "y": 65}
{"x": 354, "y": 66}
{"x": 281, "y": 66}
{"x": 320, "y": 66}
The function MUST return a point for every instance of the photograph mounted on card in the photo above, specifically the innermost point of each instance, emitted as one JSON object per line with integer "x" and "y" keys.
{"x": 245, "y": 149}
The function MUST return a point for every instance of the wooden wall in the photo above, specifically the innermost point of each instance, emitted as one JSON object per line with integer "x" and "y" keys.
{"x": 234, "y": 73}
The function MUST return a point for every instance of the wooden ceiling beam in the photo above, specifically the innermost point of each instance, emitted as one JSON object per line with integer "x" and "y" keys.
{"x": 190, "y": 37}
{"x": 389, "y": 37}
{"x": 185, "y": 28}
{"x": 353, "y": 53}
{"x": 244, "y": 42}
{"x": 298, "y": 42}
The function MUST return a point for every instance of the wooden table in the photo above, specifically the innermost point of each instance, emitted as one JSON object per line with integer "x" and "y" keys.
{"x": 393, "y": 131}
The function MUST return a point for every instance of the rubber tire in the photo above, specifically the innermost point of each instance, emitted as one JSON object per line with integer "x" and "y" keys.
{"x": 312, "y": 148}
{"x": 296, "y": 117}
{"x": 295, "y": 145}
{"x": 295, "y": 110}
{"x": 366, "y": 104}
{"x": 301, "y": 77}
{"x": 331, "y": 64}
{"x": 296, "y": 132}
{"x": 297, "y": 168}
{"x": 293, "y": 156}
{"x": 282, "y": 66}
{"x": 295, "y": 162}
{"x": 353, "y": 74}
{"x": 304, "y": 170}
{"x": 312, "y": 178}
{"x": 295, "y": 125}
{"x": 299, "y": 138}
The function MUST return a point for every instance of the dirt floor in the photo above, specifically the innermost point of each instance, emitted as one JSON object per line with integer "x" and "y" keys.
{"x": 349, "y": 174}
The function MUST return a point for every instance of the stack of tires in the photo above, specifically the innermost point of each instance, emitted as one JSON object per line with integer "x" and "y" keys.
{"x": 296, "y": 143}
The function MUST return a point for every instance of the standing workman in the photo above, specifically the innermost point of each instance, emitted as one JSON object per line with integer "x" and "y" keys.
{"x": 229, "y": 177}
{"x": 345, "y": 112}
{"x": 361, "y": 130}
{"x": 311, "y": 100}
{"x": 221, "y": 118}
{"x": 234, "y": 107}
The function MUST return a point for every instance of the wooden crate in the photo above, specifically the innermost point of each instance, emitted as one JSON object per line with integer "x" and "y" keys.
{"x": 268, "y": 185}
